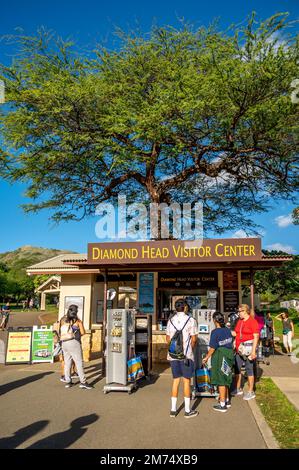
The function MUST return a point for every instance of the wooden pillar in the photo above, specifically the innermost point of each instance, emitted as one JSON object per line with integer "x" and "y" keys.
{"x": 251, "y": 290}
{"x": 43, "y": 301}
{"x": 104, "y": 322}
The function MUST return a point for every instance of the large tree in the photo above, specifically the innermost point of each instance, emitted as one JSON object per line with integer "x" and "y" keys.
{"x": 176, "y": 115}
{"x": 280, "y": 282}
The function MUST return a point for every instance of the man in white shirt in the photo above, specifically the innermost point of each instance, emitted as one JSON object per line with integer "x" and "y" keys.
{"x": 183, "y": 368}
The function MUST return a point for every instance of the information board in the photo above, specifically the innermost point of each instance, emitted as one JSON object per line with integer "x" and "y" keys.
{"x": 230, "y": 300}
{"x": 42, "y": 344}
{"x": 146, "y": 292}
{"x": 18, "y": 349}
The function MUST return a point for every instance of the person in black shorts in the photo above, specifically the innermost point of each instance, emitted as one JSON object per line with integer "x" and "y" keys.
{"x": 182, "y": 369}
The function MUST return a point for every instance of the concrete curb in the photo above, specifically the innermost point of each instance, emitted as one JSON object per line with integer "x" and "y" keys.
{"x": 263, "y": 426}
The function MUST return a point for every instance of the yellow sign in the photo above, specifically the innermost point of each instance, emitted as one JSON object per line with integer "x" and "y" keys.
{"x": 18, "y": 347}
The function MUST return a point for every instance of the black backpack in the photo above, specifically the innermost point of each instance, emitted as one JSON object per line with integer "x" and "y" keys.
{"x": 176, "y": 346}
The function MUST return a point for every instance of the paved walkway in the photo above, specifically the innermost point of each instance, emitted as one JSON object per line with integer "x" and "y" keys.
{"x": 39, "y": 412}
{"x": 290, "y": 387}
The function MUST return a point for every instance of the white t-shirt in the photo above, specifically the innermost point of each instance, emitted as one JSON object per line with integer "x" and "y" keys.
{"x": 179, "y": 320}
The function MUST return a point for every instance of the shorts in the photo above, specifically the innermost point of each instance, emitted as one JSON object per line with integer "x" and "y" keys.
{"x": 250, "y": 366}
{"x": 180, "y": 369}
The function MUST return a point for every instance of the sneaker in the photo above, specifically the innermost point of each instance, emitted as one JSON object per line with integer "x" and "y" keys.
{"x": 68, "y": 385}
{"x": 173, "y": 414}
{"x": 228, "y": 404}
{"x": 86, "y": 385}
{"x": 75, "y": 375}
{"x": 62, "y": 379}
{"x": 237, "y": 392}
{"x": 222, "y": 409}
{"x": 191, "y": 414}
{"x": 249, "y": 396}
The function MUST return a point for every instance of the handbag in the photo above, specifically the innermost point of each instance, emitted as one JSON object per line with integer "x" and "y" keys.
{"x": 135, "y": 369}
{"x": 203, "y": 379}
{"x": 245, "y": 348}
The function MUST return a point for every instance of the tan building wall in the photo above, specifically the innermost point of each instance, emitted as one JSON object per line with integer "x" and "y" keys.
{"x": 79, "y": 285}
{"x": 84, "y": 285}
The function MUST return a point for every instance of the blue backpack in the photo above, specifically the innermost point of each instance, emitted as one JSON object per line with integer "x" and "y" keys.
{"x": 176, "y": 346}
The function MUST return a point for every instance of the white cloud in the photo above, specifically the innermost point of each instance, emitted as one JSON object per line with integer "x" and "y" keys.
{"x": 284, "y": 220}
{"x": 240, "y": 234}
{"x": 280, "y": 247}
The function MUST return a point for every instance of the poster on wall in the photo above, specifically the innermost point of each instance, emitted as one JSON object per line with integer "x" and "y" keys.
{"x": 18, "y": 349}
{"x": 146, "y": 292}
{"x": 74, "y": 300}
{"x": 42, "y": 344}
{"x": 230, "y": 279}
{"x": 230, "y": 300}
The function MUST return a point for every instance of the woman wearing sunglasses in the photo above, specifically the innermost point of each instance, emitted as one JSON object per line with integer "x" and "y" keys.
{"x": 247, "y": 337}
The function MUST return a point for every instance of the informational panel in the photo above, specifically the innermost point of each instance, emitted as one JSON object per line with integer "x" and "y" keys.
{"x": 146, "y": 292}
{"x": 18, "y": 349}
{"x": 42, "y": 344}
{"x": 230, "y": 280}
{"x": 230, "y": 300}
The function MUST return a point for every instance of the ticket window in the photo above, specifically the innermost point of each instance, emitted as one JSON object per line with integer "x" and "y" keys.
{"x": 200, "y": 299}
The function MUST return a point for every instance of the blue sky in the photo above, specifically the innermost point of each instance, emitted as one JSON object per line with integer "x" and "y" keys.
{"x": 91, "y": 21}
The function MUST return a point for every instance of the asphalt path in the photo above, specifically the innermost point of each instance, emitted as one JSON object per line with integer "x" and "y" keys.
{"x": 36, "y": 411}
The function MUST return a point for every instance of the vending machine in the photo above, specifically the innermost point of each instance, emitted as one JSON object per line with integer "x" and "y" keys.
{"x": 205, "y": 325}
{"x": 119, "y": 345}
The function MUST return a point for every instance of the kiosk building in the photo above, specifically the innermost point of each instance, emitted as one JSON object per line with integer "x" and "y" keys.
{"x": 151, "y": 275}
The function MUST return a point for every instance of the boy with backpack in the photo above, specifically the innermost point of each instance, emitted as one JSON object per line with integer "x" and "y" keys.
{"x": 181, "y": 335}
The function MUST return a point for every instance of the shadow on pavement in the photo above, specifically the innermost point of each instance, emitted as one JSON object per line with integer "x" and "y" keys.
{"x": 20, "y": 383}
{"x": 151, "y": 379}
{"x": 22, "y": 435}
{"x": 63, "y": 440}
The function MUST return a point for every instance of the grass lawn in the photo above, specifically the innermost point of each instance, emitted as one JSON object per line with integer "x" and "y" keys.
{"x": 49, "y": 308}
{"x": 280, "y": 414}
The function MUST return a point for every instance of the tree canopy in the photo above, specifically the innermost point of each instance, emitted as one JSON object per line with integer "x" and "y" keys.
{"x": 178, "y": 115}
{"x": 281, "y": 282}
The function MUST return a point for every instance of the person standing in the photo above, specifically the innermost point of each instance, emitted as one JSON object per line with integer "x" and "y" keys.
{"x": 259, "y": 316}
{"x": 246, "y": 336}
{"x": 270, "y": 332}
{"x": 287, "y": 331}
{"x": 182, "y": 368}
{"x": 71, "y": 330}
{"x": 5, "y": 316}
{"x": 222, "y": 354}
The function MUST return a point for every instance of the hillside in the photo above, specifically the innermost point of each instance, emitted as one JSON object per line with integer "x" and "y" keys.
{"x": 28, "y": 255}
